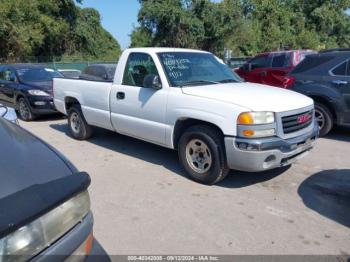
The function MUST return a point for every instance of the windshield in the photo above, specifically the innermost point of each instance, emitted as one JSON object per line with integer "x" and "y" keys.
{"x": 37, "y": 74}
{"x": 190, "y": 68}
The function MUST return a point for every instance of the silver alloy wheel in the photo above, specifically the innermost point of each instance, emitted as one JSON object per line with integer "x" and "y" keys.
{"x": 23, "y": 110}
{"x": 75, "y": 123}
{"x": 198, "y": 156}
{"x": 320, "y": 118}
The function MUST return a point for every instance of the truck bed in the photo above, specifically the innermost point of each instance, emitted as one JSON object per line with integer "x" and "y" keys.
{"x": 93, "y": 96}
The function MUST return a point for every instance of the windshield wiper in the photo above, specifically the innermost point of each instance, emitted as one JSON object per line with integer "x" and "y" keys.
{"x": 229, "y": 80}
{"x": 198, "y": 82}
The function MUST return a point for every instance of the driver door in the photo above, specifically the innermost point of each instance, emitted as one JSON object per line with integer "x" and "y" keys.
{"x": 135, "y": 110}
{"x": 258, "y": 73}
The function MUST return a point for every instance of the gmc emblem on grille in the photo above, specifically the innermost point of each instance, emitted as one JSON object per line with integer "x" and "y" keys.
{"x": 303, "y": 119}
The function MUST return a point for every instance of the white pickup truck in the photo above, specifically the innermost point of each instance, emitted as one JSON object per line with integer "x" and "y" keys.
{"x": 190, "y": 101}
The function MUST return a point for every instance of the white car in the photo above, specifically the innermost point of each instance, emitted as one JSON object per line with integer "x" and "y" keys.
{"x": 190, "y": 101}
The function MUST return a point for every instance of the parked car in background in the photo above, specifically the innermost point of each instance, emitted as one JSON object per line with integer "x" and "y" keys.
{"x": 325, "y": 78}
{"x": 27, "y": 88}
{"x": 70, "y": 73}
{"x": 190, "y": 101}
{"x": 237, "y": 62}
{"x": 8, "y": 113}
{"x": 99, "y": 72}
{"x": 45, "y": 206}
{"x": 270, "y": 68}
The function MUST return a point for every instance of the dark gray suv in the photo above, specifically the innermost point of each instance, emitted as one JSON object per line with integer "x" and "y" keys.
{"x": 325, "y": 77}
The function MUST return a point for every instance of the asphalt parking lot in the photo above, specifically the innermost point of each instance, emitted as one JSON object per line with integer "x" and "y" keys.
{"x": 144, "y": 204}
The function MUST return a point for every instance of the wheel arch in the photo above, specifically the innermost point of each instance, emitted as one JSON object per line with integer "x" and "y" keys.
{"x": 183, "y": 124}
{"x": 327, "y": 103}
{"x": 69, "y": 101}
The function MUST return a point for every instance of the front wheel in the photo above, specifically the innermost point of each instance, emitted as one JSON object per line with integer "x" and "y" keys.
{"x": 324, "y": 118}
{"x": 24, "y": 111}
{"x": 201, "y": 153}
{"x": 78, "y": 126}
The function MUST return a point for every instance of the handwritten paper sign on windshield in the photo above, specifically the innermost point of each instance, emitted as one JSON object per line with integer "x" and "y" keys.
{"x": 175, "y": 66}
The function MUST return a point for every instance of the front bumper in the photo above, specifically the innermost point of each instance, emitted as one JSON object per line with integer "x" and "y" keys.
{"x": 254, "y": 155}
{"x": 42, "y": 105}
{"x": 68, "y": 245}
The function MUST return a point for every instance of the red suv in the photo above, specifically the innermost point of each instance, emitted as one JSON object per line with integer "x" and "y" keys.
{"x": 272, "y": 67}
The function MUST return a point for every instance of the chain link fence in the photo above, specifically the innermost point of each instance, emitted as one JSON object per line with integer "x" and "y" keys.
{"x": 56, "y": 63}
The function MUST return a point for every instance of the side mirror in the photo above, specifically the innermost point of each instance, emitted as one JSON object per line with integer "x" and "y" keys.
{"x": 247, "y": 67}
{"x": 152, "y": 81}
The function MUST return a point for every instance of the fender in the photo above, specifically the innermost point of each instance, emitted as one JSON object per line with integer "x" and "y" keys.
{"x": 189, "y": 113}
{"x": 62, "y": 104}
{"x": 331, "y": 95}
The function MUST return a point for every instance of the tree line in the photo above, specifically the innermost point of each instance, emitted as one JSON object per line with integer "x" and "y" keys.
{"x": 244, "y": 26}
{"x": 62, "y": 29}
{"x": 44, "y": 29}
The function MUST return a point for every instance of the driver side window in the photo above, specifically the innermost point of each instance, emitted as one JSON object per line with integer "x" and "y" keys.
{"x": 139, "y": 65}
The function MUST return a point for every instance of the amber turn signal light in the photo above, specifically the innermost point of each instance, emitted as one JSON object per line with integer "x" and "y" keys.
{"x": 248, "y": 133}
{"x": 245, "y": 119}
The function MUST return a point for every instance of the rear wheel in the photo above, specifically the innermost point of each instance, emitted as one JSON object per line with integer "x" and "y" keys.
{"x": 201, "y": 153}
{"x": 78, "y": 126}
{"x": 324, "y": 118}
{"x": 24, "y": 110}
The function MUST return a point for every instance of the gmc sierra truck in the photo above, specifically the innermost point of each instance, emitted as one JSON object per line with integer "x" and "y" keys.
{"x": 190, "y": 101}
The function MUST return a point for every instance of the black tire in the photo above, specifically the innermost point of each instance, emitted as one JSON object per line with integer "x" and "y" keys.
{"x": 78, "y": 127}
{"x": 324, "y": 118}
{"x": 23, "y": 110}
{"x": 194, "y": 137}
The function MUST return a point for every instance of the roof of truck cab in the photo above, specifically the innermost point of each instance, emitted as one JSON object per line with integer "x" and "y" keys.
{"x": 163, "y": 50}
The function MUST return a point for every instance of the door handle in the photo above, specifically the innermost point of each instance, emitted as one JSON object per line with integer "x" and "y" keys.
{"x": 263, "y": 73}
{"x": 120, "y": 95}
{"x": 340, "y": 82}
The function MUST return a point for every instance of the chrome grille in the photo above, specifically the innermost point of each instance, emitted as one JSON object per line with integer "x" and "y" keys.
{"x": 297, "y": 122}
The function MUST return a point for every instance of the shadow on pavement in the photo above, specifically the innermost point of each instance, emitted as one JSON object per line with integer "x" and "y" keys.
{"x": 237, "y": 179}
{"x": 50, "y": 117}
{"x": 98, "y": 253}
{"x": 328, "y": 193}
{"x": 166, "y": 157}
{"x": 340, "y": 134}
{"x": 132, "y": 147}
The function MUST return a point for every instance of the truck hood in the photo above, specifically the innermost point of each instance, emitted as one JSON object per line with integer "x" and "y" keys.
{"x": 254, "y": 97}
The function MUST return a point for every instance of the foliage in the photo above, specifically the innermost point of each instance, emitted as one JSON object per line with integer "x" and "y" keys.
{"x": 52, "y": 28}
{"x": 245, "y": 26}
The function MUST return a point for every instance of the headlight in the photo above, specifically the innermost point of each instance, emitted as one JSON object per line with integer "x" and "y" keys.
{"x": 35, "y": 92}
{"x": 256, "y": 118}
{"x": 33, "y": 238}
